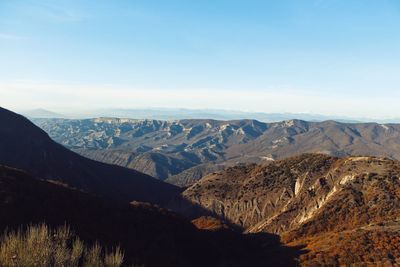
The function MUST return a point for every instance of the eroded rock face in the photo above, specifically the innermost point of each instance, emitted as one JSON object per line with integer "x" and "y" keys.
{"x": 284, "y": 195}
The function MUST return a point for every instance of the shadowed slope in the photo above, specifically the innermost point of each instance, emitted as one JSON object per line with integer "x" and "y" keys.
{"x": 25, "y": 146}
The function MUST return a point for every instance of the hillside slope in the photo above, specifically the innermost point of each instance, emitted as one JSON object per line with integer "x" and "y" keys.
{"x": 25, "y": 146}
{"x": 282, "y": 195}
{"x": 310, "y": 199}
{"x": 149, "y": 236}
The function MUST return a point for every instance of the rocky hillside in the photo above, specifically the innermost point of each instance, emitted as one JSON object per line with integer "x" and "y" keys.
{"x": 25, "y": 146}
{"x": 176, "y": 150}
{"x": 311, "y": 198}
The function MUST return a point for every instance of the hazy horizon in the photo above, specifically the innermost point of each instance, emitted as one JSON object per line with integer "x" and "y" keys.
{"x": 173, "y": 114}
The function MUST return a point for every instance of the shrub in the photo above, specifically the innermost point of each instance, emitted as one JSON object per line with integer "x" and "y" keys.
{"x": 38, "y": 245}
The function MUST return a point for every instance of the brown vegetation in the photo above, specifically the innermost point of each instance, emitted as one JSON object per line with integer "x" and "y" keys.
{"x": 41, "y": 246}
{"x": 209, "y": 223}
{"x": 360, "y": 247}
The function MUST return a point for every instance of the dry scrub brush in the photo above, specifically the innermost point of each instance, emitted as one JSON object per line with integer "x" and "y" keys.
{"x": 41, "y": 246}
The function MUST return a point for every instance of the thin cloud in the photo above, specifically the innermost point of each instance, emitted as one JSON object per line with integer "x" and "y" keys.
{"x": 53, "y": 12}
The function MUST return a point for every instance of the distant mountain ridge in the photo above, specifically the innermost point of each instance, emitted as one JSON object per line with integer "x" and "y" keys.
{"x": 190, "y": 114}
{"x": 185, "y": 150}
{"x": 42, "y": 113}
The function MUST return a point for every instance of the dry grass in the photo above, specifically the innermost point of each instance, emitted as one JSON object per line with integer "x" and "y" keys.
{"x": 38, "y": 245}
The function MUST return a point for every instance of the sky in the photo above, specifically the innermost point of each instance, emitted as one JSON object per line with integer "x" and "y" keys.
{"x": 331, "y": 57}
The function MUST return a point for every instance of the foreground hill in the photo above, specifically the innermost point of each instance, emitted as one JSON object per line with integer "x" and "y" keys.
{"x": 149, "y": 236}
{"x": 318, "y": 200}
{"x": 185, "y": 150}
{"x": 25, "y": 146}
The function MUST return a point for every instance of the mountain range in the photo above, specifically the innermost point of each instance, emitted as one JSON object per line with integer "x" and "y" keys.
{"x": 183, "y": 151}
{"x": 247, "y": 208}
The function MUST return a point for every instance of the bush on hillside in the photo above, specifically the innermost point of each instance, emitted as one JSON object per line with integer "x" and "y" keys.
{"x": 39, "y": 245}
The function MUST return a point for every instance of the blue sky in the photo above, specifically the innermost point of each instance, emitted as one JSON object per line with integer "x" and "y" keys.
{"x": 339, "y": 57}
